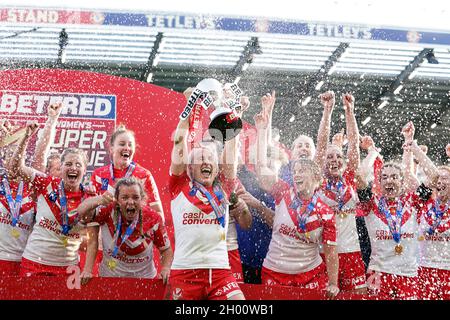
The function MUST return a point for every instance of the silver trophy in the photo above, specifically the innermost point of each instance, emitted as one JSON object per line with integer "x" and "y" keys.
{"x": 209, "y": 93}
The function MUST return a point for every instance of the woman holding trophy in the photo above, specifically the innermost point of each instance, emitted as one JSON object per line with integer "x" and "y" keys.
{"x": 200, "y": 207}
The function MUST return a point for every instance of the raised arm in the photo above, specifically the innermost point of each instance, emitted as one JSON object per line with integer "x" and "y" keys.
{"x": 352, "y": 132}
{"x": 429, "y": 168}
{"x": 365, "y": 169}
{"x": 268, "y": 103}
{"x": 17, "y": 163}
{"x": 411, "y": 181}
{"x": 46, "y": 136}
{"x": 6, "y": 133}
{"x": 266, "y": 176}
{"x": 86, "y": 209}
{"x": 328, "y": 101}
{"x": 180, "y": 146}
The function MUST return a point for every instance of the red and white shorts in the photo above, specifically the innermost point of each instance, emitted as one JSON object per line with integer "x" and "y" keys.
{"x": 386, "y": 286}
{"x": 315, "y": 279}
{"x": 236, "y": 266}
{"x": 9, "y": 268}
{"x": 434, "y": 284}
{"x": 30, "y": 268}
{"x": 202, "y": 284}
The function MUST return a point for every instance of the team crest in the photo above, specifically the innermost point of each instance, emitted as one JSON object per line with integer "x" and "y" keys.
{"x": 53, "y": 196}
{"x": 105, "y": 182}
{"x": 176, "y": 294}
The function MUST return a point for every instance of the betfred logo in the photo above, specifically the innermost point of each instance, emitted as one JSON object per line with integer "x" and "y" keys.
{"x": 77, "y": 105}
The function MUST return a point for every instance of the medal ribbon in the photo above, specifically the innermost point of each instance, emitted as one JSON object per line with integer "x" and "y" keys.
{"x": 303, "y": 217}
{"x": 66, "y": 226}
{"x": 438, "y": 214}
{"x": 14, "y": 204}
{"x": 128, "y": 174}
{"x": 219, "y": 210}
{"x": 394, "y": 226}
{"x": 64, "y": 211}
{"x": 339, "y": 190}
{"x": 127, "y": 234}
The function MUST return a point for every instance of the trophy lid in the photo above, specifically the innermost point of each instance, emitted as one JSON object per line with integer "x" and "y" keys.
{"x": 211, "y": 85}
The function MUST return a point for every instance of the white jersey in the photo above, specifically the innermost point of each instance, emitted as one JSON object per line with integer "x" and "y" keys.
{"x": 291, "y": 251}
{"x": 435, "y": 248}
{"x": 347, "y": 233}
{"x": 384, "y": 257}
{"x": 200, "y": 240}
{"x": 135, "y": 256}
{"x": 47, "y": 244}
{"x": 14, "y": 239}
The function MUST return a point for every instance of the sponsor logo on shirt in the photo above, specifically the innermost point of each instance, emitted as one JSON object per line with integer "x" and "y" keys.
{"x": 55, "y": 227}
{"x": 199, "y": 218}
{"x": 7, "y": 220}
{"x": 126, "y": 259}
{"x": 437, "y": 237}
{"x": 290, "y": 232}
{"x": 386, "y": 235}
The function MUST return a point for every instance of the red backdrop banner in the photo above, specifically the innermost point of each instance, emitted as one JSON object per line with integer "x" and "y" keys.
{"x": 92, "y": 104}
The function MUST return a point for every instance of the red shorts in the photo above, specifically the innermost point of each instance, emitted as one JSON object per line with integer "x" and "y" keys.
{"x": 352, "y": 272}
{"x": 30, "y": 268}
{"x": 201, "y": 284}
{"x": 434, "y": 284}
{"x": 386, "y": 286}
{"x": 315, "y": 279}
{"x": 9, "y": 268}
{"x": 236, "y": 266}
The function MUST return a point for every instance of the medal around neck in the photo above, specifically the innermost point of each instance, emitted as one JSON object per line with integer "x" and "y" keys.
{"x": 15, "y": 233}
{"x": 398, "y": 249}
{"x": 112, "y": 263}
{"x": 65, "y": 241}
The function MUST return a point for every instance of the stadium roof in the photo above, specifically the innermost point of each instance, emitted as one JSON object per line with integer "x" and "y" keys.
{"x": 396, "y": 75}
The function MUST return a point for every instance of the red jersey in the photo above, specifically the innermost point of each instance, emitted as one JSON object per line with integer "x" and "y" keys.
{"x": 103, "y": 180}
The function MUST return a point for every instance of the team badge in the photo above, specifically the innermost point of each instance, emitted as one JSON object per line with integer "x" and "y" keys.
{"x": 53, "y": 196}
{"x": 176, "y": 294}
